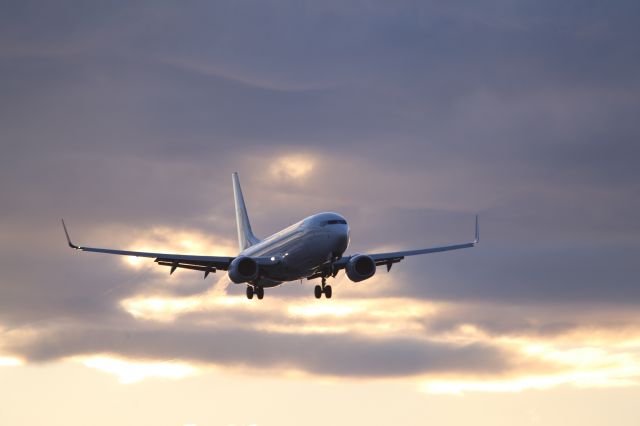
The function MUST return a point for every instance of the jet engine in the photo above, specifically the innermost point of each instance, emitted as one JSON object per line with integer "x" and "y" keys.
{"x": 360, "y": 268}
{"x": 243, "y": 269}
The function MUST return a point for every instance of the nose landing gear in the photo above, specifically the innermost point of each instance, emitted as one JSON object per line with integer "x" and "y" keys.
{"x": 325, "y": 289}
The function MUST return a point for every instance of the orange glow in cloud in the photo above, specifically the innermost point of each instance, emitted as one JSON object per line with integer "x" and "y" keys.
{"x": 10, "y": 362}
{"x": 315, "y": 310}
{"x": 573, "y": 360}
{"x": 291, "y": 167}
{"x": 364, "y": 316}
{"x": 169, "y": 240}
{"x": 135, "y": 371}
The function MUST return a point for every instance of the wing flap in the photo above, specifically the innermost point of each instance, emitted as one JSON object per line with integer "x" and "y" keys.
{"x": 174, "y": 265}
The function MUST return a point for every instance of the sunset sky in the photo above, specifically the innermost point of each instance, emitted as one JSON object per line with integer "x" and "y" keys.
{"x": 408, "y": 118}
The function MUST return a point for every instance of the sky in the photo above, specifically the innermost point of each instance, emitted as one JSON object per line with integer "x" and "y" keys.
{"x": 408, "y": 118}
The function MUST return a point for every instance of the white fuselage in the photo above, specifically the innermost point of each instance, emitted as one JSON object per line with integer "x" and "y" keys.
{"x": 304, "y": 248}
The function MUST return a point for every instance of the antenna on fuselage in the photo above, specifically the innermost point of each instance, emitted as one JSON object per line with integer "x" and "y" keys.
{"x": 245, "y": 234}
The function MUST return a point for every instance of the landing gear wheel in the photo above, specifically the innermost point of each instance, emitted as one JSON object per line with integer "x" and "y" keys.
{"x": 260, "y": 292}
{"x": 327, "y": 291}
{"x": 250, "y": 292}
{"x": 317, "y": 292}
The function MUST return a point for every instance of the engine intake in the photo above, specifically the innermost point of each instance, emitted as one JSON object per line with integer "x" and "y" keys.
{"x": 243, "y": 269}
{"x": 360, "y": 268}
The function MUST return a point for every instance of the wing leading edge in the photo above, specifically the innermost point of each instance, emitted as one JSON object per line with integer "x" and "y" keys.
{"x": 207, "y": 264}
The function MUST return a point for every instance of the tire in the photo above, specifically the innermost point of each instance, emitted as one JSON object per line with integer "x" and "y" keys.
{"x": 317, "y": 292}
{"x": 260, "y": 292}
{"x": 249, "y": 292}
{"x": 328, "y": 292}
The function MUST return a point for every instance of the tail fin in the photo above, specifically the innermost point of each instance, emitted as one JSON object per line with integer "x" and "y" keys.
{"x": 245, "y": 235}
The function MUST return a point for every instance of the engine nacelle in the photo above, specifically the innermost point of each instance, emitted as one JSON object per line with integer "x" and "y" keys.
{"x": 360, "y": 268}
{"x": 243, "y": 269}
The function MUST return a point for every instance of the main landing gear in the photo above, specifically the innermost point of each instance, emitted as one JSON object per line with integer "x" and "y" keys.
{"x": 323, "y": 289}
{"x": 258, "y": 291}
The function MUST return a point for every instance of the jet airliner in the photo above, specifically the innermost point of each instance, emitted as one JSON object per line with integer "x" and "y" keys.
{"x": 312, "y": 248}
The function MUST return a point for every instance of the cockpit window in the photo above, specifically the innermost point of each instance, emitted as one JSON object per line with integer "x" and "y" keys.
{"x": 336, "y": 222}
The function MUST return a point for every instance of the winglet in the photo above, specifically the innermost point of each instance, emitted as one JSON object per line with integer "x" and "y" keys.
{"x": 66, "y": 233}
{"x": 477, "y": 240}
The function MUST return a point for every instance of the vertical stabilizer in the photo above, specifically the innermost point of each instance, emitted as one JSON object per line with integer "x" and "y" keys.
{"x": 245, "y": 235}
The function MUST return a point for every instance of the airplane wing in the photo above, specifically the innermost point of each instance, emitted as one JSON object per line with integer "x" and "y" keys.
{"x": 394, "y": 257}
{"x": 207, "y": 264}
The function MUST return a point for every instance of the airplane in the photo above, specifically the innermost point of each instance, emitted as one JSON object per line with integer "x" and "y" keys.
{"x": 311, "y": 248}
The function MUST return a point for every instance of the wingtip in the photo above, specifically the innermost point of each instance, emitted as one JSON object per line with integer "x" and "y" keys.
{"x": 477, "y": 239}
{"x": 66, "y": 233}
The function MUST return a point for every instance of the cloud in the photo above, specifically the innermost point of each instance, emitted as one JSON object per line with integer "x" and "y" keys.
{"x": 329, "y": 355}
{"x": 448, "y": 347}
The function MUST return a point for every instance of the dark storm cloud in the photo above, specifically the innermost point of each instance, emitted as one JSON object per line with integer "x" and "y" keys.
{"x": 334, "y": 355}
{"x": 418, "y": 115}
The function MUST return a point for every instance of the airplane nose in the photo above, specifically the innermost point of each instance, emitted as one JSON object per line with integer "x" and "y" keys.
{"x": 342, "y": 240}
